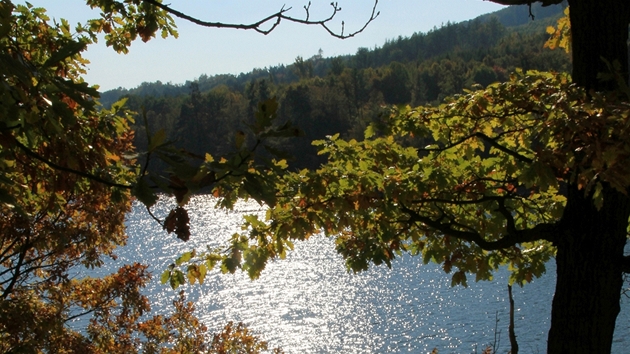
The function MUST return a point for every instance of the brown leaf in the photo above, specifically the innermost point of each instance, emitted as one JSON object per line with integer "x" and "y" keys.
{"x": 178, "y": 221}
{"x": 182, "y": 228}
{"x": 144, "y": 33}
{"x": 170, "y": 221}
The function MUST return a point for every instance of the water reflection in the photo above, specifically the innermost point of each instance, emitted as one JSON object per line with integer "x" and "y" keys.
{"x": 309, "y": 303}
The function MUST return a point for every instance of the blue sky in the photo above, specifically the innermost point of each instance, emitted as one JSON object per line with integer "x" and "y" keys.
{"x": 212, "y": 51}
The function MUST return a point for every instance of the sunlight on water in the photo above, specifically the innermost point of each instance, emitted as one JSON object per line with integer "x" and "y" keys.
{"x": 309, "y": 303}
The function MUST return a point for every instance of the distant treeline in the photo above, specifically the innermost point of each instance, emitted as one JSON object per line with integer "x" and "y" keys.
{"x": 324, "y": 96}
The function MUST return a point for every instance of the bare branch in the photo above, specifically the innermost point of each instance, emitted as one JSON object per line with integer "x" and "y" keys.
{"x": 274, "y": 20}
{"x": 154, "y": 217}
{"x": 307, "y": 8}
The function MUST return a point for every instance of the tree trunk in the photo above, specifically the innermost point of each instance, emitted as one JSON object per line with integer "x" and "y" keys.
{"x": 599, "y": 30}
{"x": 511, "y": 332}
{"x": 590, "y": 247}
{"x": 589, "y": 273}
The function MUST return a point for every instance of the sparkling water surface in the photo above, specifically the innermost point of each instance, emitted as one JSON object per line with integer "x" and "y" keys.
{"x": 309, "y": 303}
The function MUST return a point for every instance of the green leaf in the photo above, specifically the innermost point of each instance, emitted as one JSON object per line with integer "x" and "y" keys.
{"x": 192, "y": 272}
{"x": 459, "y": 278}
{"x": 144, "y": 193}
{"x": 212, "y": 259}
{"x": 185, "y": 257}
{"x": 177, "y": 279}
{"x": 158, "y": 139}
{"x": 203, "y": 270}
{"x": 258, "y": 189}
{"x": 68, "y": 50}
{"x": 369, "y": 131}
{"x": 165, "y": 276}
{"x": 230, "y": 264}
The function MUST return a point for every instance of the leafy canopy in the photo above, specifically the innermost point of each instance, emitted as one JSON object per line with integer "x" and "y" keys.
{"x": 473, "y": 184}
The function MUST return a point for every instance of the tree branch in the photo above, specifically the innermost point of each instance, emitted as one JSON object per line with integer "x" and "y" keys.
{"x": 16, "y": 274}
{"x": 489, "y": 140}
{"x": 460, "y": 202}
{"x": 511, "y": 238}
{"x": 275, "y": 19}
{"x": 525, "y": 2}
{"x": 53, "y": 165}
{"x": 511, "y": 225}
{"x": 498, "y": 146}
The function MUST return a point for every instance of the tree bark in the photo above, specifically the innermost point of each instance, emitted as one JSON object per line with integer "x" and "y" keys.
{"x": 599, "y": 30}
{"x": 589, "y": 273}
{"x": 511, "y": 332}
{"x": 590, "y": 247}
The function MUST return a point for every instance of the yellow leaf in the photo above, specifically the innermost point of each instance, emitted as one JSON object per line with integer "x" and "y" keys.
{"x": 550, "y": 30}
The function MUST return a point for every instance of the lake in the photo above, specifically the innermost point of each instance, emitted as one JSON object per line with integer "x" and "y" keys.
{"x": 309, "y": 303}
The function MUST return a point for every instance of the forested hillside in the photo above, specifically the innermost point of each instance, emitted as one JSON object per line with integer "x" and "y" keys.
{"x": 324, "y": 96}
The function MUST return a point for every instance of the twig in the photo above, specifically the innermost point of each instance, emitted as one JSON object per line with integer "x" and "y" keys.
{"x": 276, "y": 17}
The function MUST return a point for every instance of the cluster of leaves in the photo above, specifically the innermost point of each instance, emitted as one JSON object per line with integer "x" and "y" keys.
{"x": 560, "y": 35}
{"x": 66, "y": 180}
{"x": 48, "y": 111}
{"x": 238, "y": 339}
{"x": 183, "y": 333}
{"x": 57, "y": 152}
{"x": 474, "y": 183}
{"x": 123, "y": 21}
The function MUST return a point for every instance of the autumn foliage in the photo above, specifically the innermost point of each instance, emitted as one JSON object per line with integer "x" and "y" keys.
{"x": 67, "y": 172}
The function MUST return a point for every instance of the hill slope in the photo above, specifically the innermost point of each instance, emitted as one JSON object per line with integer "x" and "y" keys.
{"x": 325, "y": 96}
{"x": 513, "y": 18}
